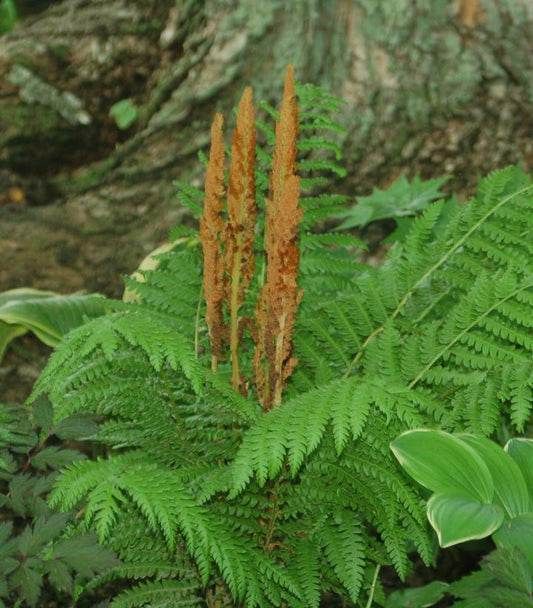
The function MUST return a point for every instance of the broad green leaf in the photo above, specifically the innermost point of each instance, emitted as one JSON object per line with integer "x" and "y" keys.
{"x": 521, "y": 451}
{"x": 444, "y": 464}
{"x": 7, "y": 334}
{"x": 47, "y": 314}
{"x": 517, "y": 533}
{"x": 510, "y": 490}
{"x": 421, "y": 597}
{"x": 457, "y": 519}
{"x": 21, "y": 294}
{"x": 10, "y": 331}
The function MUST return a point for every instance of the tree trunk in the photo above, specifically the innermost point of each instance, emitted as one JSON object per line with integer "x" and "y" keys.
{"x": 434, "y": 87}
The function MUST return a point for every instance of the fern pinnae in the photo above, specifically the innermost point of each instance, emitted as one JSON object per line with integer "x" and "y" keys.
{"x": 447, "y": 252}
{"x": 468, "y": 328}
{"x": 521, "y": 397}
{"x": 159, "y": 594}
{"x": 343, "y": 541}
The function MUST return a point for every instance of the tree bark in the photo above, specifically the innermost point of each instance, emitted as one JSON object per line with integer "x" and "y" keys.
{"x": 432, "y": 87}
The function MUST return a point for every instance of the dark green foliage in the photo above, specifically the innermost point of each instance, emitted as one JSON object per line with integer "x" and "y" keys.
{"x": 203, "y": 496}
{"x": 505, "y": 579}
{"x": 401, "y": 202}
{"x": 46, "y": 550}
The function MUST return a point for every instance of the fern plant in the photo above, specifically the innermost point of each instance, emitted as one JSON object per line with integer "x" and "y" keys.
{"x": 248, "y": 408}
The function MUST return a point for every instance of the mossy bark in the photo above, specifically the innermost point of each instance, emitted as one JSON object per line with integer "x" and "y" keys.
{"x": 441, "y": 86}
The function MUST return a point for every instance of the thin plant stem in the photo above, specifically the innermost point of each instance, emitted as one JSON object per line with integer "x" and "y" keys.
{"x": 373, "y": 586}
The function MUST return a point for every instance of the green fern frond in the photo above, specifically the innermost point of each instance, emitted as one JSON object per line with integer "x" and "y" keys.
{"x": 190, "y": 197}
{"x": 305, "y": 566}
{"x": 153, "y": 333}
{"x": 160, "y": 594}
{"x": 343, "y": 540}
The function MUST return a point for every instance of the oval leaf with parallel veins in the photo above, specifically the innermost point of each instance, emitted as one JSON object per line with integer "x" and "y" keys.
{"x": 457, "y": 519}
{"x": 444, "y": 464}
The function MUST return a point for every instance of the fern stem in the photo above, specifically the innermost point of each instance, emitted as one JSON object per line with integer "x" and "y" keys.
{"x": 197, "y": 331}
{"x": 431, "y": 306}
{"x": 373, "y": 586}
{"x": 361, "y": 351}
{"x": 433, "y": 268}
{"x": 234, "y": 323}
{"x": 272, "y": 521}
{"x": 466, "y": 330}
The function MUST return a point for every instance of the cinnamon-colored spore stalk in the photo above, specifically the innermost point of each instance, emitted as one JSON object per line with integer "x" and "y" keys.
{"x": 212, "y": 235}
{"x": 228, "y": 248}
{"x": 279, "y": 298}
{"x": 240, "y": 227}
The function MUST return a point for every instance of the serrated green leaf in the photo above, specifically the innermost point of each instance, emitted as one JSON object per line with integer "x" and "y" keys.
{"x": 510, "y": 567}
{"x": 8, "y": 547}
{"x": 401, "y": 199}
{"x": 55, "y": 457}
{"x": 43, "y": 413}
{"x": 504, "y": 597}
{"x": 444, "y": 464}
{"x": 31, "y": 541}
{"x": 59, "y": 576}
{"x": 20, "y": 488}
{"x": 428, "y": 595}
{"x": 83, "y": 554}
{"x": 4, "y": 590}
{"x": 469, "y": 585}
{"x": 457, "y": 519}
{"x": 6, "y": 528}
{"x": 28, "y": 581}
{"x": 517, "y": 533}
{"x": 76, "y": 426}
{"x": 7, "y": 565}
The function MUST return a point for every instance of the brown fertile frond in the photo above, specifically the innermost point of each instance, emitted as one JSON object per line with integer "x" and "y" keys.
{"x": 284, "y": 161}
{"x": 240, "y": 227}
{"x": 280, "y": 296}
{"x": 211, "y": 236}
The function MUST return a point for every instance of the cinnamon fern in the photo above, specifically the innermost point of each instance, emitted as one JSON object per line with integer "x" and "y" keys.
{"x": 274, "y": 484}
